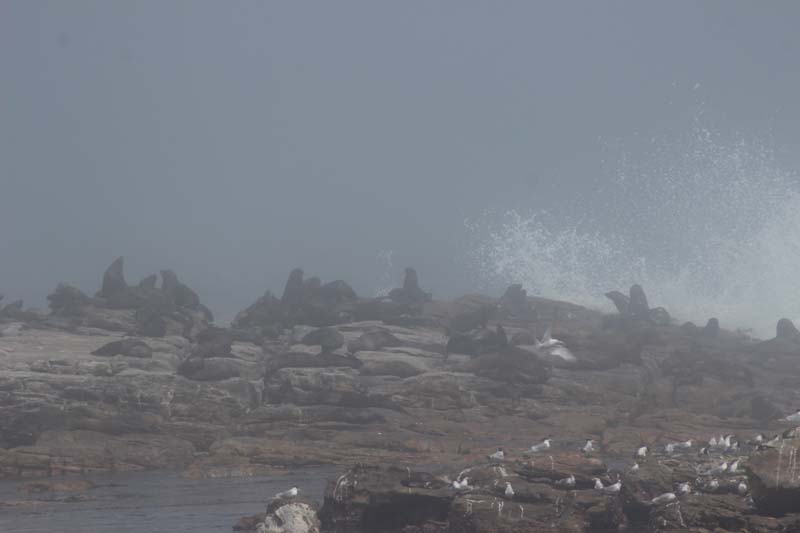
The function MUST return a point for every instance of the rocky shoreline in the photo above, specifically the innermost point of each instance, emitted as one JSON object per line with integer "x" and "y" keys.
{"x": 407, "y": 393}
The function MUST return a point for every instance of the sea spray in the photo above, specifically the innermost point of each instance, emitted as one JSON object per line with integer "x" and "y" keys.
{"x": 708, "y": 227}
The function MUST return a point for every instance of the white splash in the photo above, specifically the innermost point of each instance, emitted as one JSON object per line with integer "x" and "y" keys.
{"x": 707, "y": 227}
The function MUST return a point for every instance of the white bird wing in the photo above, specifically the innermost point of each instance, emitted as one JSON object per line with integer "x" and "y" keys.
{"x": 563, "y": 352}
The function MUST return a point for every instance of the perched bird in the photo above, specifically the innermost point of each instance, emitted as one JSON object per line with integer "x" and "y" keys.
{"x": 566, "y": 482}
{"x": 461, "y": 485}
{"x": 792, "y": 418}
{"x": 669, "y": 448}
{"x": 499, "y": 455}
{"x": 742, "y": 488}
{"x": 635, "y": 467}
{"x": 542, "y": 446}
{"x": 509, "y": 491}
{"x": 703, "y": 451}
{"x": 642, "y": 451}
{"x": 758, "y": 439}
{"x": 548, "y": 346}
{"x": 613, "y": 489}
{"x": 684, "y": 445}
{"x": 598, "y": 485}
{"x": 588, "y": 447}
{"x": 684, "y": 488}
{"x": 286, "y": 495}
{"x": 719, "y": 469}
{"x": 664, "y": 498}
{"x": 733, "y": 467}
{"x": 713, "y": 485}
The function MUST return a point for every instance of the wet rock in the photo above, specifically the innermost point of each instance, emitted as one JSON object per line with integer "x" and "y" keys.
{"x": 67, "y": 300}
{"x": 773, "y": 480}
{"x": 126, "y": 347}
{"x": 329, "y": 339}
{"x": 113, "y": 279}
{"x": 786, "y": 330}
{"x": 373, "y": 340}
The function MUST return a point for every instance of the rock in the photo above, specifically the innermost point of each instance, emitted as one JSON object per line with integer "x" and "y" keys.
{"x": 307, "y": 360}
{"x": 373, "y": 341}
{"x": 66, "y": 485}
{"x": 399, "y": 369}
{"x": 786, "y": 330}
{"x": 67, "y": 300}
{"x": 213, "y": 342}
{"x": 113, "y": 279}
{"x": 328, "y": 338}
{"x": 209, "y": 369}
{"x": 523, "y": 338}
{"x": 637, "y": 304}
{"x": 773, "y": 480}
{"x": 320, "y": 386}
{"x": 126, "y": 347}
{"x": 290, "y": 517}
{"x": 13, "y": 310}
{"x": 477, "y": 342}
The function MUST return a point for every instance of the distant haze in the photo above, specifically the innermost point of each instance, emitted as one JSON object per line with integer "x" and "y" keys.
{"x": 234, "y": 141}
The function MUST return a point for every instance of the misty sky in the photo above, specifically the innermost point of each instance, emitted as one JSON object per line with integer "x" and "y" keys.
{"x": 233, "y": 141}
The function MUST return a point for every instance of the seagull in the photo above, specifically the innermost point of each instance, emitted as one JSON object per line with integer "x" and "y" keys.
{"x": 598, "y": 485}
{"x": 613, "y": 489}
{"x": 742, "y": 488}
{"x": 547, "y": 340}
{"x": 684, "y": 488}
{"x": 721, "y": 469}
{"x": 712, "y": 485}
{"x": 553, "y": 347}
{"x": 566, "y": 482}
{"x": 703, "y": 451}
{"x": 509, "y": 490}
{"x": 791, "y": 418}
{"x": 542, "y": 446}
{"x": 635, "y": 467}
{"x": 712, "y": 442}
{"x": 588, "y": 447}
{"x": 641, "y": 451}
{"x": 684, "y": 445}
{"x": 459, "y": 485}
{"x": 669, "y": 448}
{"x": 664, "y": 498}
{"x": 499, "y": 455}
{"x": 758, "y": 439}
{"x": 733, "y": 467}
{"x": 287, "y": 494}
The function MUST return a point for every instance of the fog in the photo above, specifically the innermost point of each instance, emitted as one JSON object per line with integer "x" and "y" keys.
{"x": 233, "y": 141}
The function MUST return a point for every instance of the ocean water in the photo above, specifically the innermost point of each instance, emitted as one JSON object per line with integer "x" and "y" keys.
{"x": 151, "y": 502}
{"x": 710, "y": 226}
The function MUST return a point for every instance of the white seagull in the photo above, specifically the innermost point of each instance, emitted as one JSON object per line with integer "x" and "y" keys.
{"x": 641, "y": 451}
{"x": 287, "y": 494}
{"x": 553, "y": 347}
{"x": 684, "y": 488}
{"x": 542, "y": 446}
{"x": 588, "y": 447}
{"x": 509, "y": 491}
{"x": 792, "y": 418}
{"x": 598, "y": 485}
{"x": 613, "y": 489}
{"x": 664, "y": 498}
{"x": 742, "y": 488}
{"x": 566, "y": 482}
{"x": 499, "y": 455}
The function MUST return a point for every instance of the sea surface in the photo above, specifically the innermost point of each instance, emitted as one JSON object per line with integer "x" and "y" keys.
{"x": 150, "y": 502}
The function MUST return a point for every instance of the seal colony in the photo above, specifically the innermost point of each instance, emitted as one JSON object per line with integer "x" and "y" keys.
{"x": 318, "y": 375}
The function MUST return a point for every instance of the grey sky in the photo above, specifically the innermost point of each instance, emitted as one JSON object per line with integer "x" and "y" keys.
{"x": 232, "y": 141}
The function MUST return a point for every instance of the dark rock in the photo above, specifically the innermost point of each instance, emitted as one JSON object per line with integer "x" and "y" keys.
{"x": 772, "y": 479}
{"x": 711, "y": 328}
{"x": 786, "y": 330}
{"x": 68, "y": 300}
{"x": 329, "y": 339}
{"x": 113, "y": 279}
{"x": 213, "y": 342}
{"x": 212, "y": 369}
{"x": 126, "y": 347}
{"x": 149, "y": 282}
{"x": 373, "y": 340}
{"x": 637, "y": 305}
